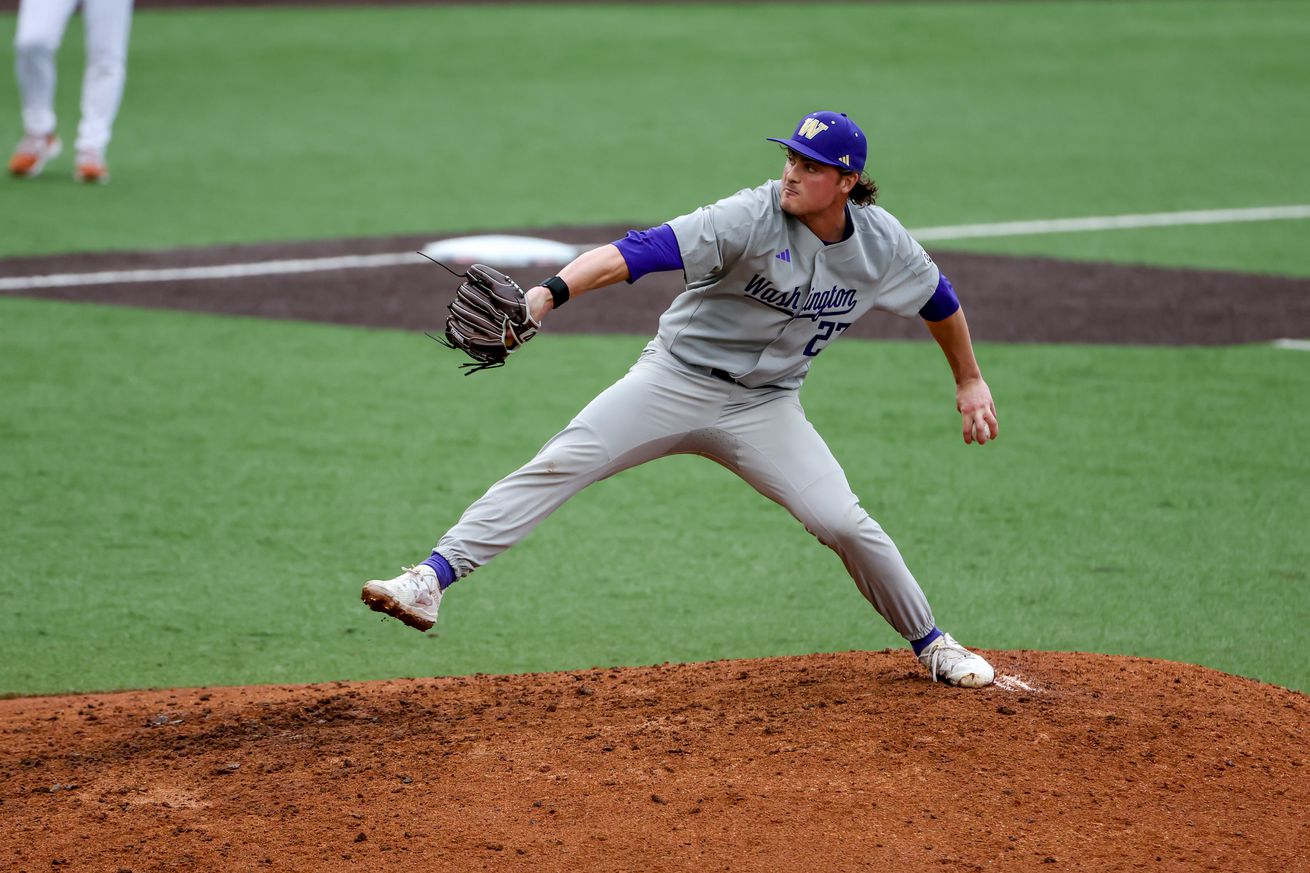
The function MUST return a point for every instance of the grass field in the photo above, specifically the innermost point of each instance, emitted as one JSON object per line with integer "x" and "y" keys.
{"x": 196, "y": 500}
{"x": 245, "y": 125}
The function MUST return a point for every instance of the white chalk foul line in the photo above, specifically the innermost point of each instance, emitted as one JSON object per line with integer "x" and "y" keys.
{"x": 361, "y": 262}
{"x": 1292, "y": 345}
{"x": 217, "y": 271}
{"x": 1112, "y": 222}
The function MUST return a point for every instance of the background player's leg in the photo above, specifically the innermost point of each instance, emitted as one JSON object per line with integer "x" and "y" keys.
{"x": 778, "y": 451}
{"x": 40, "y": 30}
{"x": 108, "y": 23}
{"x": 643, "y": 416}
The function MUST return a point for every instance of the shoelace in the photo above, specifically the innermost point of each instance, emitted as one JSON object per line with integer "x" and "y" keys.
{"x": 421, "y": 588}
{"x": 945, "y": 653}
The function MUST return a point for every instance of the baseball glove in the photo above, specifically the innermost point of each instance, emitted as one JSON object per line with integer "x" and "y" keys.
{"x": 488, "y": 319}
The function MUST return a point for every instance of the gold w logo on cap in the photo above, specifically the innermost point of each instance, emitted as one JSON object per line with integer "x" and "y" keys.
{"x": 811, "y": 128}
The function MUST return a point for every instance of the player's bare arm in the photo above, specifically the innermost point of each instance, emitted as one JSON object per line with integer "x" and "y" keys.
{"x": 972, "y": 396}
{"x": 587, "y": 272}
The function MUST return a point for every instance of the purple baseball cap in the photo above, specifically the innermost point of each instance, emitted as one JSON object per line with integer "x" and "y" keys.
{"x": 829, "y": 138}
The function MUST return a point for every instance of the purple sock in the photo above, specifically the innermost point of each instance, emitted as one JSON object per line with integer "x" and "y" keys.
{"x": 440, "y": 566}
{"x": 920, "y": 645}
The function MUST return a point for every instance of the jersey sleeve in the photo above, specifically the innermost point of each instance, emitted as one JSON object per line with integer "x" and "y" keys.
{"x": 942, "y": 304}
{"x": 713, "y": 238}
{"x": 649, "y": 251}
{"x": 910, "y": 277}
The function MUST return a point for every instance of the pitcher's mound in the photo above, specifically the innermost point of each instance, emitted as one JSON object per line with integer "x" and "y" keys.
{"x": 851, "y": 761}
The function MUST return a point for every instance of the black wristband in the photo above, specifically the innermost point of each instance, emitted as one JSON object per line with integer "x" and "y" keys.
{"x": 559, "y": 290}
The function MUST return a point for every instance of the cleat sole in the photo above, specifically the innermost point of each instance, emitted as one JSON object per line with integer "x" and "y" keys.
{"x": 379, "y": 602}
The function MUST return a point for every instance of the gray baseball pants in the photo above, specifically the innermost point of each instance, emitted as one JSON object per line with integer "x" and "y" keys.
{"x": 665, "y": 407}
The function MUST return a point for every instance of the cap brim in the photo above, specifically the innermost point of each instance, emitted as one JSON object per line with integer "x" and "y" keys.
{"x": 802, "y": 148}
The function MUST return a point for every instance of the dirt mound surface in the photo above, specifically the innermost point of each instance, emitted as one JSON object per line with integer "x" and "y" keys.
{"x": 825, "y": 762}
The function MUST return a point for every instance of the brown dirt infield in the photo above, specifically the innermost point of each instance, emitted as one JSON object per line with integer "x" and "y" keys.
{"x": 839, "y": 762}
{"x": 851, "y": 761}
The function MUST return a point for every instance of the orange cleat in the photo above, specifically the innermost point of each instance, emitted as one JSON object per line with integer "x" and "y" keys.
{"x": 91, "y": 168}
{"x": 32, "y": 154}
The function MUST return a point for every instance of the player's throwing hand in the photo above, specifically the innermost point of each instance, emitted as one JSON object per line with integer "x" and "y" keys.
{"x": 977, "y": 411}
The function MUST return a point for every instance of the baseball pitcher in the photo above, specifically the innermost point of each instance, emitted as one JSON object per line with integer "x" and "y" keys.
{"x": 774, "y": 275}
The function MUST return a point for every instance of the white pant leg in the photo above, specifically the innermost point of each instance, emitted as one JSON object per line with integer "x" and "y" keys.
{"x": 768, "y": 441}
{"x": 645, "y": 415}
{"x": 41, "y": 25}
{"x": 108, "y": 23}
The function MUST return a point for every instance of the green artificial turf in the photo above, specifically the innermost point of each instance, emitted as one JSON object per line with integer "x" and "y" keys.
{"x": 285, "y": 123}
{"x": 197, "y": 499}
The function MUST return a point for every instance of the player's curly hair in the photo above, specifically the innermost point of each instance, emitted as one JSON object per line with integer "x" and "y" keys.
{"x": 865, "y": 192}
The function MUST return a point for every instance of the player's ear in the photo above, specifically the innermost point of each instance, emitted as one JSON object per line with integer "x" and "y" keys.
{"x": 848, "y": 181}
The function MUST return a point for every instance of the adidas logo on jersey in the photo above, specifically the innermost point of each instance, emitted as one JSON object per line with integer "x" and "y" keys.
{"x": 784, "y": 256}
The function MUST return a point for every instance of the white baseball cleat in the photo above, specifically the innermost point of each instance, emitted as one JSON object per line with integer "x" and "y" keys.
{"x": 33, "y": 153}
{"x": 412, "y": 597}
{"x": 90, "y": 167}
{"x": 953, "y": 664}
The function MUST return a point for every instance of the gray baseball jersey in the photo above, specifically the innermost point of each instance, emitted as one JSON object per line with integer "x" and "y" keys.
{"x": 765, "y": 295}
